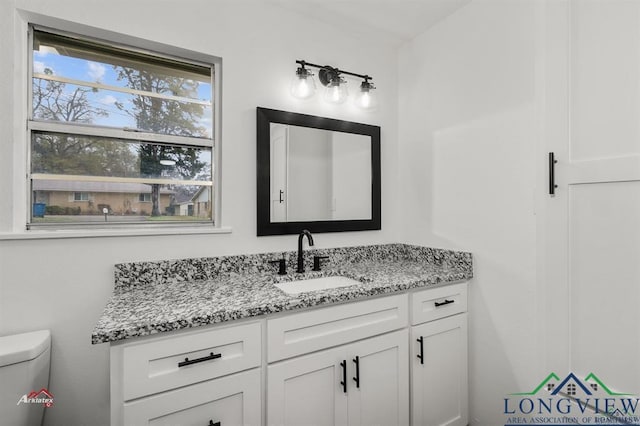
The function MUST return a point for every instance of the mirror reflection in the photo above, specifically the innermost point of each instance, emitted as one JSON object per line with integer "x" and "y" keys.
{"x": 318, "y": 174}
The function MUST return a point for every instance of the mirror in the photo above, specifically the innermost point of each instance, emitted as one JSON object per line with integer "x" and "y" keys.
{"x": 316, "y": 173}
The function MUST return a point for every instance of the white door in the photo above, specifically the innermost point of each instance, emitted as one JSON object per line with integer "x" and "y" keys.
{"x": 439, "y": 372}
{"x": 589, "y": 231}
{"x": 306, "y": 390}
{"x": 279, "y": 154}
{"x": 379, "y": 381}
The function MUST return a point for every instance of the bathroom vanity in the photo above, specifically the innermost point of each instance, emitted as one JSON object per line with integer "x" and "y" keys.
{"x": 391, "y": 349}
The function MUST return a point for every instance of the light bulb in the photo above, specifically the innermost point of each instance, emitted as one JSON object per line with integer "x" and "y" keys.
{"x": 336, "y": 92}
{"x": 302, "y": 84}
{"x": 365, "y": 100}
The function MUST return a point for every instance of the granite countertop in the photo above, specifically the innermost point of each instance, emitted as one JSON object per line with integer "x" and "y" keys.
{"x": 153, "y": 297}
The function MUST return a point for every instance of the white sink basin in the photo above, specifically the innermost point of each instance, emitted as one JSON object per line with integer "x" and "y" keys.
{"x": 315, "y": 284}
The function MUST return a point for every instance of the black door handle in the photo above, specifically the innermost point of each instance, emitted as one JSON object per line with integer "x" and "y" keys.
{"x": 446, "y": 302}
{"x": 188, "y": 361}
{"x": 552, "y": 174}
{"x": 421, "y": 354}
{"x": 281, "y": 194}
{"x": 356, "y": 379}
{"x": 343, "y": 364}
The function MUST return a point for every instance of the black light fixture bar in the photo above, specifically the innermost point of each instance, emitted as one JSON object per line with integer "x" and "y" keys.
{"x": 337, "y": 70}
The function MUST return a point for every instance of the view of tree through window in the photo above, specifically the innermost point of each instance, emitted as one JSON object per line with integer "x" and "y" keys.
{"x": 118, "y": 124}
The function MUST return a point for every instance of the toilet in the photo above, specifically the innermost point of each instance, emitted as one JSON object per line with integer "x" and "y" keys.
{"x": 24, "y": 378}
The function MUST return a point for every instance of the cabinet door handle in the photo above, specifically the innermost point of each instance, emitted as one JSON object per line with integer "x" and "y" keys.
{"x": 280, "y": 197}
{"x": 446, "y": 302}
{"x": 188, "y": 361}
{"x": 356, "y": 379}
{"x": 421, "y": 354}
{"x": 211, "y": 423}
{"x": 343, "y": 364}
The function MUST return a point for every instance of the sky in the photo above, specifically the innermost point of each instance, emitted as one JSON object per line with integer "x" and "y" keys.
{"x": 90, "y": 71}
{"x": 104, "y": 73}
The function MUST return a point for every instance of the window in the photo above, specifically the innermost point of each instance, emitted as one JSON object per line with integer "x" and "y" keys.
{"x": 134, "y": 129}
{"x": 80, "y": 196}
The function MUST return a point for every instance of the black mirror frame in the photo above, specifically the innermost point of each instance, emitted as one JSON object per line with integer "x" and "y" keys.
{"x": 267, "y": 116}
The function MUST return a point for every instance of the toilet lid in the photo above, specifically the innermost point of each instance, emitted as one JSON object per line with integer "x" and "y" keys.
{"x": 23, "y": 347}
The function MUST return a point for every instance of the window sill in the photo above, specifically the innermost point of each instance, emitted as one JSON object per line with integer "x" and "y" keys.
{"x": 100, "y": 233}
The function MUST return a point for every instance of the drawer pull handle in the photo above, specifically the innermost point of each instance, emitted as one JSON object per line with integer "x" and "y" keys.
{"x": 211, "y": 423}
{"x": 188, "y": 361}
{"x": 446, "y": 302}
{"x": 343, "y": 364}
{"x": 421, "y": 354}
{"x": 356, "y": 379}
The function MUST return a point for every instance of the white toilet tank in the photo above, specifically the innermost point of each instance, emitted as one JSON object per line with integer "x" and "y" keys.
{"x": 24, "y": 378}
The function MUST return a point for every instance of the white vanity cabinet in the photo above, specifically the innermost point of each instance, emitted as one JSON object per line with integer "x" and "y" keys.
{"x": 202, "y": 377}
{"x": 361, "y": 383}
{"x": 439, "y": 390}
{"x": 398, "y": 359}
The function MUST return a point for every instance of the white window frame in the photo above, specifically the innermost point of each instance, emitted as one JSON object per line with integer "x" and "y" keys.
{"x": 81, "y": 194}
{"x": 21, "y": 212}
{"x": 142, "y": 198}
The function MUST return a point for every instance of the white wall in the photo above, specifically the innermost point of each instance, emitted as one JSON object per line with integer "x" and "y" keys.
{"x": 468, "y": 128}
{"x": 63, "y": 284}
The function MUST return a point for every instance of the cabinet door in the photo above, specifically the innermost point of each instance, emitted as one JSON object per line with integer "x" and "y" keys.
{"x": 380, "y": 395}
{"x": 232, "y": 401}
{"x": 306, "y": 390}
{"x": 439, "y": 383}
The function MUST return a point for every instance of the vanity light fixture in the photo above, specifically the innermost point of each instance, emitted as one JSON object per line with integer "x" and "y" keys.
{"x": 303, "y": 85}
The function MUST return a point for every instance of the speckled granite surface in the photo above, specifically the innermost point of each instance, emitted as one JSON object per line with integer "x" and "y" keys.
{"x": 152, "y": 297}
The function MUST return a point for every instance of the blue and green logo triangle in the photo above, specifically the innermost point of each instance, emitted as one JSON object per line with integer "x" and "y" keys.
{"x": 585, "y": 385}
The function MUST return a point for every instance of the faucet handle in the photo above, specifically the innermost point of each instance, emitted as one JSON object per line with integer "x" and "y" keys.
{"x": 282, "y": 266}
{"x": 316, "y": 262}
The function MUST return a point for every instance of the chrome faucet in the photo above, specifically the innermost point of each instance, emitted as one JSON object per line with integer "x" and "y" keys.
{"x": 300, "y": 258}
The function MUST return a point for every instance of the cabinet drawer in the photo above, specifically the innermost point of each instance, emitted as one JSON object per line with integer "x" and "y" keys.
{"x": 429, "y": 305}
{"x": 156, "y": 366}
{"x": 231, "y": 400}
{"x": 309, "y": 331}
